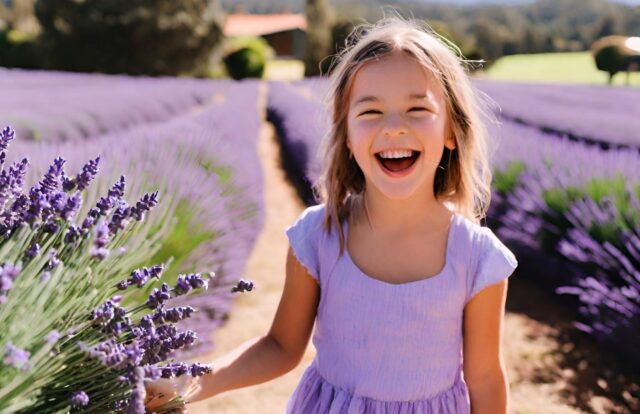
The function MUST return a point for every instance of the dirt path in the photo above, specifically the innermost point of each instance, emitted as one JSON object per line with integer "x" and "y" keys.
{"x": 545, "y": 371}
{"x": 253, "y": 312}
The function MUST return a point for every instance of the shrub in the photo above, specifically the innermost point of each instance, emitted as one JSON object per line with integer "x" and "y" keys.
{"x": 18, "y": 50}
{"x": 612, "y": 55}
{"x": 137, "y": 37}
{"x": 247, "y": 61}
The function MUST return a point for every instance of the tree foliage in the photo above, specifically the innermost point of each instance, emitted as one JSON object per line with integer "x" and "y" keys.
{"x": 318, "y": 44}
{"x": 139, "y": 37}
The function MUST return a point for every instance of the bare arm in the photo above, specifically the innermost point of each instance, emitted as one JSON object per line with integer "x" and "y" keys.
{"x": 483, "y": 365}
{"x": 281, "y": 349}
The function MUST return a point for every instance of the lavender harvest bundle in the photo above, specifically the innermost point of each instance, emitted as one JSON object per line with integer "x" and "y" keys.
{"x": 67, "y": 343}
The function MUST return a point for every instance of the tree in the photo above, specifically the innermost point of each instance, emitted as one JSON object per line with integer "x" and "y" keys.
{"x": 318, "y": 44}
{"x": 611, "y": 55}
{"x": 139, "y": 37}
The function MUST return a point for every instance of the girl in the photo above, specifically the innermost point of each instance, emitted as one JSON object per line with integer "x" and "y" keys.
{"x": 407, "y": 290}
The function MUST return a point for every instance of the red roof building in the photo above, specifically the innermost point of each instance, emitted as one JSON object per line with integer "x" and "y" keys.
{"x": 284, "y": 32}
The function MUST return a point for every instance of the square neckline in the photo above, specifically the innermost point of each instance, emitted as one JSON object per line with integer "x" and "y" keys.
{"x": 447, "y": 260}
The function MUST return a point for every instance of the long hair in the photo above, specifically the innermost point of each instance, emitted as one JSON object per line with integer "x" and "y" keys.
{"x": 466, "y": 178}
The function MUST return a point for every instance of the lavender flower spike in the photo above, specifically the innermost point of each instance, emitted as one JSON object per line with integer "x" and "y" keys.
{"x": 79, "y": 398}
{"x": 16, "y": 357}
{"x": 84, "y": 177}
{"x": 51, "y": 180}
{"x": 146, "y": 203}
{"x": 6, "y": 135}
{"x": 139, "y": 394}
{"x": 52, "y": 337}
{"x": 243, "y": 286}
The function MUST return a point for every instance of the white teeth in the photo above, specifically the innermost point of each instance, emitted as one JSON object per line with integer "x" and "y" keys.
{"x": 396, "y": 154}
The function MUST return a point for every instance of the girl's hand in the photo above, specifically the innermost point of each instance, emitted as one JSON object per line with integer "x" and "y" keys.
{"x": 162, "y": 391}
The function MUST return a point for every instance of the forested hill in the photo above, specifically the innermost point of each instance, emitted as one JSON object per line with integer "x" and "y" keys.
{"x": 491, "y": 30}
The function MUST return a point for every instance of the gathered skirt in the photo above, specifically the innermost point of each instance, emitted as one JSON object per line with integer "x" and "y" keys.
{"x": 315, "y": 395}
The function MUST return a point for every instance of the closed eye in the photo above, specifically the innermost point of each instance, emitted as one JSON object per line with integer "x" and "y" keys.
{"x": 418, "y": 108}
{"x": 371, "y": 111}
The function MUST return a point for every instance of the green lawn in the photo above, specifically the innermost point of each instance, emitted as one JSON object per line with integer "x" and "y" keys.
{"x": 574, "y": 67}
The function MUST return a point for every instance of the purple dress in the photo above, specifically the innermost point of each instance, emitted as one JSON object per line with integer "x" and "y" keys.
{"x": 391, "y": 348}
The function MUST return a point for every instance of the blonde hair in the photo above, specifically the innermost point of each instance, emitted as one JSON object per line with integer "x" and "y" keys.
{"x": 465, "y": 181}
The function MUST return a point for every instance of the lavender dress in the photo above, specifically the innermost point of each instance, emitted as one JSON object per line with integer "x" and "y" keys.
{"x": 391, "y": 348}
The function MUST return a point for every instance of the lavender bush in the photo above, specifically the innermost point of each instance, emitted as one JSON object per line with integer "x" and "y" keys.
{"x": 68, "y": 343}
{"x": 597, "y": 114}
{"x": 207, "y": 161}
{"x": 59, "y": 106}
{"x": 584, "y": 209}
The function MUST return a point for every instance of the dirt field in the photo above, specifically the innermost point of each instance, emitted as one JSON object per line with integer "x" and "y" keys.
{"x": 551, "y": 367}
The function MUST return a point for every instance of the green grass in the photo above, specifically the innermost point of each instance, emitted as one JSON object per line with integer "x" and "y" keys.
{"x": 573, "y": 67}
{"x": 185, "y": 237}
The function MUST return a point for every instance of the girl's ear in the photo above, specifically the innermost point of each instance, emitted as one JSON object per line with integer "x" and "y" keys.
{"x": 451, "y": 142}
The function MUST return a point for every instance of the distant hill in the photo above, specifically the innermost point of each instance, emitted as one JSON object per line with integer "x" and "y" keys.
{"x": 260, "y": 6}
{"x": 489, "y": 29}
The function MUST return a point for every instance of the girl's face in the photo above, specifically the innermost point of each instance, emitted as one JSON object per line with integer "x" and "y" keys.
{"x": 397, "y": 126}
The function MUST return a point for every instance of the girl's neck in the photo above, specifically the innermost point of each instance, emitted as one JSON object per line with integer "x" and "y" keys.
{"x": 385, "y": 215}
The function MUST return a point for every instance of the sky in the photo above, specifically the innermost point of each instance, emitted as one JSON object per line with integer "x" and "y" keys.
{"x": 631, "y": 2}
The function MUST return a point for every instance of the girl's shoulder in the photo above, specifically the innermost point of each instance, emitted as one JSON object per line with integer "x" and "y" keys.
{"x": 490, "y": 259}
{"x": 305, "y": 237}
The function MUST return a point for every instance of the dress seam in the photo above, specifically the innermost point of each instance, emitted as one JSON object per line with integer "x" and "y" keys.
{"x": 456, "y": 382}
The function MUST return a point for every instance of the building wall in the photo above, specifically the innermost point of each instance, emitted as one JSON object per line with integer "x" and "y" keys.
{"x": 287, "y": 44}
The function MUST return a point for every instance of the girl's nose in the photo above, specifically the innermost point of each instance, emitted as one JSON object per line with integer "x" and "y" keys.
{"x": 394, "y": 126}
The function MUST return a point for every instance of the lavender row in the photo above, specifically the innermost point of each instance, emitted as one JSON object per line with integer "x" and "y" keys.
{"x": 60, "y": 350}
{"x": 208, "y": 162}
{"x": 582, "y": 214}
{"x": 300, "y": 119}
{"x": 59, "y": 106}
{"x": 598, "y": 114}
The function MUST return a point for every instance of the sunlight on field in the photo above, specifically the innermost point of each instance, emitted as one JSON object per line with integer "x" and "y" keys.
{"x": 284, "y": 69}
{"x": 574, "y": 67}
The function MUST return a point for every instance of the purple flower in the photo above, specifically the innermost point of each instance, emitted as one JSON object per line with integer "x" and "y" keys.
{"x": 187, "y": 282}
{"x": 16, "y": 357}
{"x": 173, "y": 315}
{"x": 45, "y": 276}
{"x": 120, "y": 218}
{"x": 139, "y": 277}
{"x": 5, "y": 283}
{"x": 152, "y": 372}
{"x": 52, "y": 337}
{"x": 158, "y": 296}
{"x": 32, "y": 251}
{"x": 117, "y": 191}
{"x": 100, "y": 253}
{"x": 101, "y": 240}
{"x": 146, "y": 203}
{"x": 71, "y": 207}
{"x": 51, "y": 181}
{"x": 11, "y": 271}
{"x": 104, "y": 313}
{"x": 73, "y": 234}
{"x": 198, "y": 370}
{"x": 53, "y": 261}
{"x": 6, "y": 135}
{"x": 139, "y": 394}
{"x": 79, "y": 398}
{"x": 84, "y": 177}
{"x": 243, "y": 286}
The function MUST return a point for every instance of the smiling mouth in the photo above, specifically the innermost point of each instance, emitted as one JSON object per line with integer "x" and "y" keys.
{"x": 398, "y": 164}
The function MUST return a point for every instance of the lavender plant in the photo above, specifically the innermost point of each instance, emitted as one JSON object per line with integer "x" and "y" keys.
{"x": 206, "y": 166}
{"x": 67, "y": 342}
{"x": 59, "y": 106}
